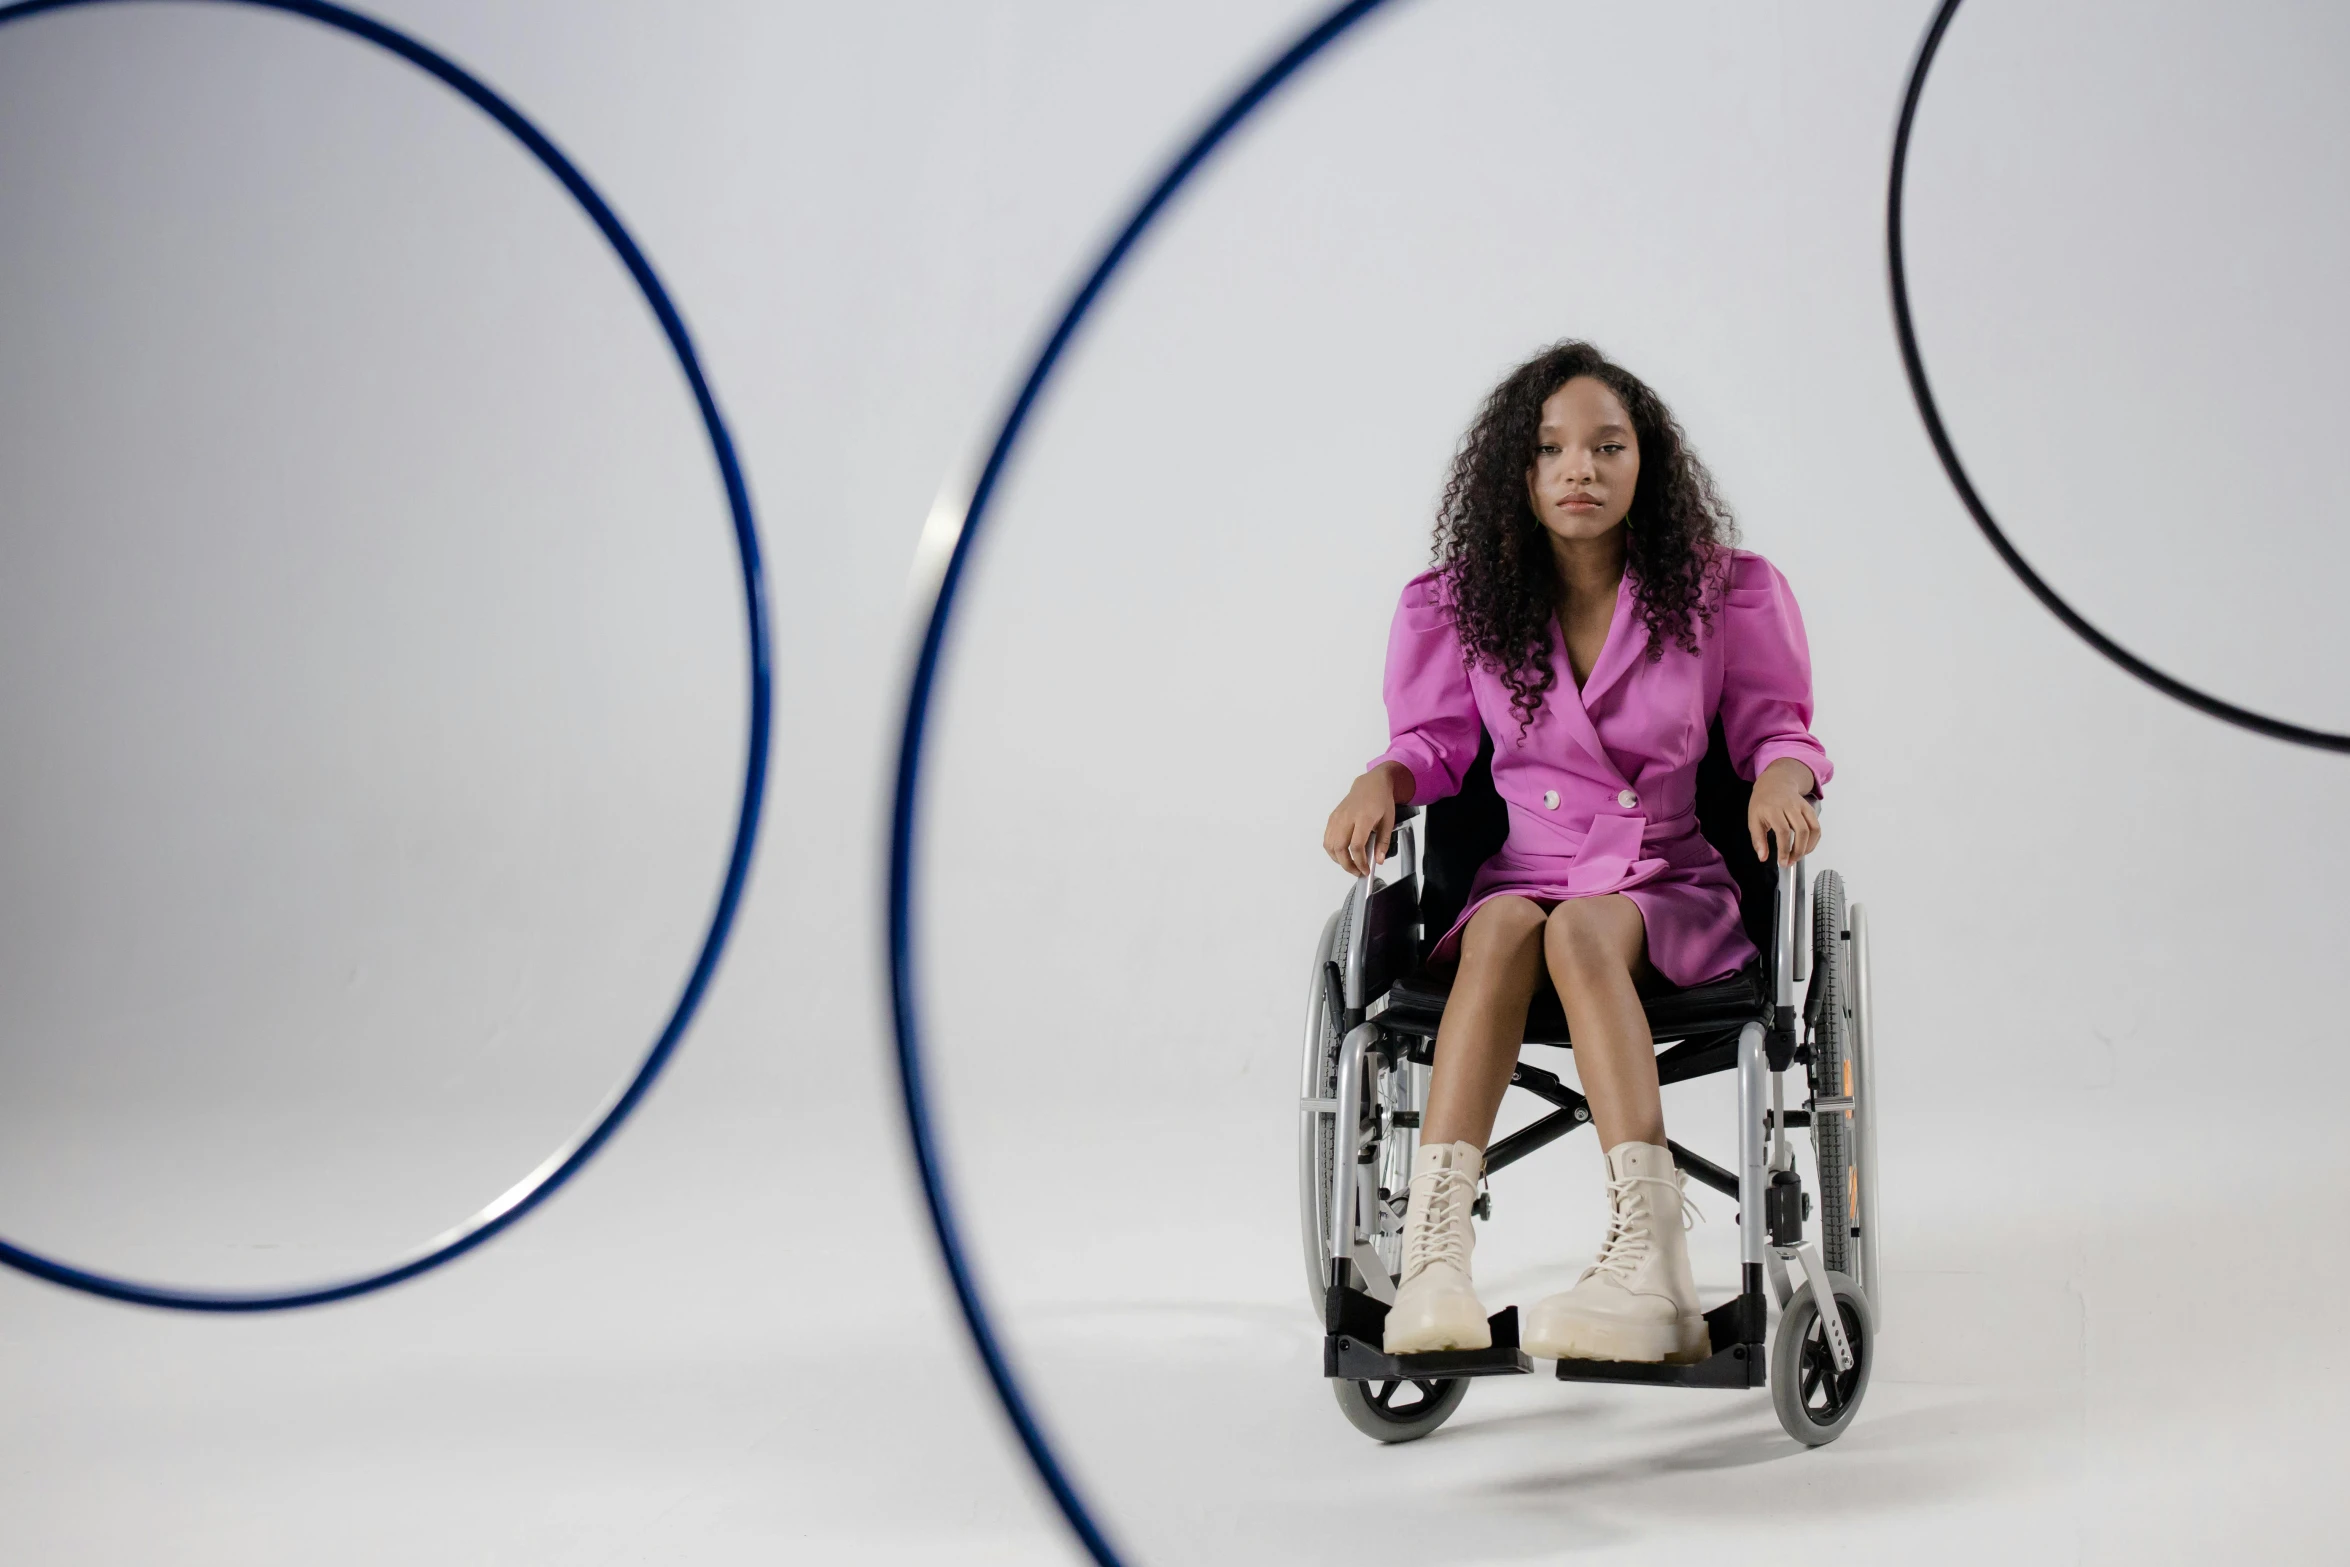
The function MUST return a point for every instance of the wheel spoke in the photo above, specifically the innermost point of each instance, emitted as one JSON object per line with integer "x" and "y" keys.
{"x": 1819, "y": 1376}
{"x": 1817, "y": 1369}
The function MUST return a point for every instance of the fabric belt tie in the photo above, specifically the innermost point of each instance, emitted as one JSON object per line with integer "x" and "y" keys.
{"x": 1610, "y": 853}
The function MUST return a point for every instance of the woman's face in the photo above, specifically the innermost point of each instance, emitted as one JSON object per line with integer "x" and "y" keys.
{"x": 1586, "y": 461}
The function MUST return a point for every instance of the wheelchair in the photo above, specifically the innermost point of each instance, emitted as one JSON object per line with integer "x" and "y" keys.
{"x": 1372, "y": 1014}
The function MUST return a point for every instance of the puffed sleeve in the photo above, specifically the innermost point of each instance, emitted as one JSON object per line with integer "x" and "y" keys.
{"x": 1431, "y": 712}
{"x": 1766, "y": 673}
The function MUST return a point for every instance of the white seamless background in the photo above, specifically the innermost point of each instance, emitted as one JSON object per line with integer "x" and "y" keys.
{"x": 2105, "y": 925}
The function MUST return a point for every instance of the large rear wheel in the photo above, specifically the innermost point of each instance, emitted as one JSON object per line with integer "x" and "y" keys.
{"x": 1384, "y": 1141}
{"x": 1827, "y": 1011}
{"x": 1863, "y": 1054}
{"x": 1316, "y": 1132}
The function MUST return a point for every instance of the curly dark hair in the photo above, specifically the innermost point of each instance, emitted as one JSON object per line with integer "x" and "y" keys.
{"x": 1496, "y": 554}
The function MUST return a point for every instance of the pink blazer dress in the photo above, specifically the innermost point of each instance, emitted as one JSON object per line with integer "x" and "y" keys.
{"x": 1602, "y": 787}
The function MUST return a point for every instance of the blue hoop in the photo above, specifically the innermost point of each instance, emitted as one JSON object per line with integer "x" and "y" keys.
{"x": 543, "y": 1182}
{"x": 964, "y": 518}
{"x": 1906, "y": 331}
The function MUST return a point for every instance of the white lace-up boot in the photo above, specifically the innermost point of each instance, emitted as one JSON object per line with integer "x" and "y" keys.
{"x": 1637, "y": 1302}
{"x": 1435, "y": 1307}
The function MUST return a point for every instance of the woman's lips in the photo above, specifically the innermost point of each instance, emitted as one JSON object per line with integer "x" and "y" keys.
{"x": 1581, "y": 503}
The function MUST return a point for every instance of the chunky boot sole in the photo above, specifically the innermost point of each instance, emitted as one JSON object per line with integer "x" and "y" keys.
{"x": 1446, "y": 1327}
{"x": 1681, "y": 1343}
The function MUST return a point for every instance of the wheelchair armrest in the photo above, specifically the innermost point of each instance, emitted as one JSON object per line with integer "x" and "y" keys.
{"x": 1800, "y": 928}
{"x": 1790, "y": 933}
{"x": 1381, "y": 925}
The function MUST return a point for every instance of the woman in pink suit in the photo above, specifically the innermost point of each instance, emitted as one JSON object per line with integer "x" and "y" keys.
{"x": 1587, "y": 610}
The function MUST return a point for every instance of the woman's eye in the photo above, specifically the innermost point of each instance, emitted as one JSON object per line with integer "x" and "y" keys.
{"x": 1611, "y": 447}
{"x": 1547, "y": 450}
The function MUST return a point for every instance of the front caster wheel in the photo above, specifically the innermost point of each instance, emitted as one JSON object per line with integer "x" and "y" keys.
{"x": 1399, "y": 1411}
{"x": 1814, "y": 1400}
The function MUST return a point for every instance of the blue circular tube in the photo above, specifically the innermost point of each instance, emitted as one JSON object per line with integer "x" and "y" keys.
{"x": 1906, "y": 331}
{"x": 566, "y": 1162}
{"x": 965, "y": 516}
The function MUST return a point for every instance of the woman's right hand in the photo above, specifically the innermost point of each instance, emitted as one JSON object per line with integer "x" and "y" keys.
{"x": 1356, "y": 838}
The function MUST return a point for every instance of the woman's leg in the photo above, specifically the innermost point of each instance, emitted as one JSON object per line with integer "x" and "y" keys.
{"x": 1597, "y": 949}
{"x": 1637, "y": 1302}
{"x": 1484, "y": 1021}
{"x": 1436, "y": 1305}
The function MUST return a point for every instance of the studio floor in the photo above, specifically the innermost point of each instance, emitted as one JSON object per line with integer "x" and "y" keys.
{"x": 2105, "y": 1343}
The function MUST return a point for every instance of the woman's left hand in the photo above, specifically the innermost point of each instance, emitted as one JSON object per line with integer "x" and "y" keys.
{"x": 1779, "y": 806}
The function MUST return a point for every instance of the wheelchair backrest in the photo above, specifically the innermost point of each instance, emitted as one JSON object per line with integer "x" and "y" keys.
{"x": 1463, "y": 830}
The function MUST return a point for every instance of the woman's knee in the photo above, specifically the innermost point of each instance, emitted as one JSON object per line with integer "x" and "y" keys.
{"x": 1595, "y": 934}
{"x": 1503, "y": 937}
{"x": 1502, "y": 927}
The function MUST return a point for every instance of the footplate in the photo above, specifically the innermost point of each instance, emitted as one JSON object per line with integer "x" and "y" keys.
{"x": 1733, "y": 1364}
{"x": 1357, "y": 1323}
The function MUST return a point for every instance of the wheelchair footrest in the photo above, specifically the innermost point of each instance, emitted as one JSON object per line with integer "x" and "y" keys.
{"x": 1352, "y": 1351}
{"x": 1352, "y": 1360}
{"x": 1733, "y": 1364}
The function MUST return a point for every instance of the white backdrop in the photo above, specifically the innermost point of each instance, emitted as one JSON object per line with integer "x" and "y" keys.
{"x": 371, "y": 686}
{"x": 394, "y": 746}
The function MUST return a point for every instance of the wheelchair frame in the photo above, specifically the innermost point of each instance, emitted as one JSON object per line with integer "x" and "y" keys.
{"x": 1353, "y": 1223}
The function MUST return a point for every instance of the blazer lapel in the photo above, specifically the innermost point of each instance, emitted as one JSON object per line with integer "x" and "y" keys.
{"x": 1567, "y": 705}
{"x": 1624, "y": 644}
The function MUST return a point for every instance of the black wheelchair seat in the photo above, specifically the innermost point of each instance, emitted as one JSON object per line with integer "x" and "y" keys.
{"x": 1416, "y": 1003}
{"x": 1466, "y": 828}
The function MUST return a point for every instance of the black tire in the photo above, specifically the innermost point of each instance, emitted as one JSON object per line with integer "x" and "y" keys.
{"x": 1385, "y": 1089}
{"x": 1814, "y": 1401}
{"x": 1399, "y": 1411}
{"x": 1318, "y": 1141}
{"x": 1827, "y": 1010}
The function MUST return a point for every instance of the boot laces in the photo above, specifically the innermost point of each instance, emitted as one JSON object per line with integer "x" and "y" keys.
{"x": 1629, "y": 1244}
{"x": 1437, "y": 1226}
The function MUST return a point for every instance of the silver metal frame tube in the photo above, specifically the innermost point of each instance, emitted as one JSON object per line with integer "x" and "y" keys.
{"x": 1865, "y": 1035}
{"x": 1310, "y": 1074}
{"x": 1343, "y": 1145}
{"x": 1779, "y": 1158}
{"x": 1753, "y": 1072}
{"x": 1815, "y": 1278}
{"x": 1803, "y": 933}
{"x": 1783, "y": 960}
{"x": 1355, "y": 917}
